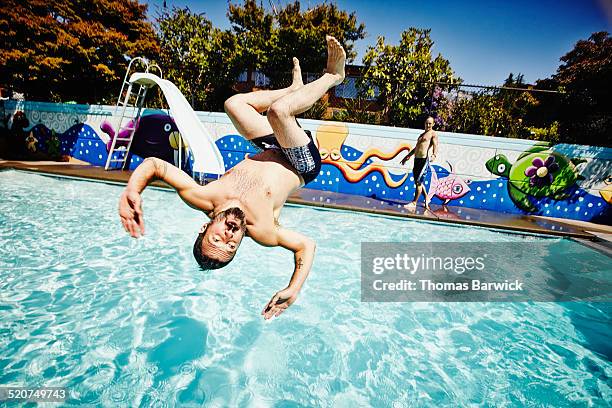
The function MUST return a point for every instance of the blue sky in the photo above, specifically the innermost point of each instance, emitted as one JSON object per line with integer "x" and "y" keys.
{"x": 483, "y": 40}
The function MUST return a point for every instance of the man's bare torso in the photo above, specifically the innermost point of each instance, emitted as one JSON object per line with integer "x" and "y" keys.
{"x": 423, "y": 144}
{"x": 261, "y": 183}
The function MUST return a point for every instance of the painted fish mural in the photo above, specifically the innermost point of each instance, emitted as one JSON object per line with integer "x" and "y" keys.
{"x": 538, "y": 172}
{"x": 447, "y": 188}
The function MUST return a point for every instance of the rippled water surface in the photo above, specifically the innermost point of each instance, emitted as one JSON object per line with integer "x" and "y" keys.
{"x": 125, "y": 322}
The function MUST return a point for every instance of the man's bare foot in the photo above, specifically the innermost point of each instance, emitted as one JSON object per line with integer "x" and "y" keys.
{"x": 297, "y": 75}
{"x": 336, "y": 58}
{"x": 411, "y": 206}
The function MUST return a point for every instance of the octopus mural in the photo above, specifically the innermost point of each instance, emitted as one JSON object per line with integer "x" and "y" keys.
{"x": 331, "y": 138}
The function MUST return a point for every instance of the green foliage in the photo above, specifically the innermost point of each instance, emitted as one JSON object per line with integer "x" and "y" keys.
{"x": 585, "y": 113}
{"x": 197, "y": 57}
{"x": 268, "y": 41}
{"x": 255, "y": 36}
{"x": 318, "y": 110}
{"x": 499, "y": 112}
{"x": 404, "y": 76}
{"x": 71, "y": 49}
{"x": 548, "y": 134}
{"x": 479, "y": 113}
{"x": 354, "y": 111}
{"x": 301, "y": 33}
{"x": 517, "y": 103}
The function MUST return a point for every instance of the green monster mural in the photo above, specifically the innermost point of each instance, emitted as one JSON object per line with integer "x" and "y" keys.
{"x": 538, "y": 172}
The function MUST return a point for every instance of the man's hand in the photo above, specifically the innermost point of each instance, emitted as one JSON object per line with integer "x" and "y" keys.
{"x": 130, "y": 212}
{"x": 279, "y": 302}
{"x": 408, "y": 156}
{"x": 303, "y": 249}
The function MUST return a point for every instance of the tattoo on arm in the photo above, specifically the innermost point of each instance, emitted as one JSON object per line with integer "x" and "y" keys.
{"x": 298, "y": 263}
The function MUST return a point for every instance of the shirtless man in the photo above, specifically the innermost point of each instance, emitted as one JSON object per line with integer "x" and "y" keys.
{"x": 247, "y": 199}
{"x": 427, "y": 140}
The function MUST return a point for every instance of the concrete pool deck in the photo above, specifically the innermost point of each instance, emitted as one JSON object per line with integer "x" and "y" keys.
{"x": 326, "y": 199}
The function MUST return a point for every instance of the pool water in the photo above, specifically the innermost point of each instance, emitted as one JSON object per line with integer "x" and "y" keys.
{"x": 124, "y": 322}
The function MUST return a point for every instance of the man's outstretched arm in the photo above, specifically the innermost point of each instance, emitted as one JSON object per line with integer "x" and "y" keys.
{"x": 304, "y": 250}
{"x": 405, "y": 159}
{"x": 130, "y": 203}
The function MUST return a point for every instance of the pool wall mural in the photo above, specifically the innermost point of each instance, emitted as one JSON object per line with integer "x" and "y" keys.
{"x": 483, "y": 172}
{"x": 85, "y": 133}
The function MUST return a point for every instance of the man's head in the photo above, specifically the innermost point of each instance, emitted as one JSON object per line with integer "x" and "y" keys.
{"x": 429, "y": 123}
{"x": 219, "y": 239}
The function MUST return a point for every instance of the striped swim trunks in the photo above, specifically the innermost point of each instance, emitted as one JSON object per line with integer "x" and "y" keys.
{"x": 306, "y": 159}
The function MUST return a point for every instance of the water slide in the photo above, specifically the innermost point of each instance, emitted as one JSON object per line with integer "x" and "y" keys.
{"x": 206, "y": 156}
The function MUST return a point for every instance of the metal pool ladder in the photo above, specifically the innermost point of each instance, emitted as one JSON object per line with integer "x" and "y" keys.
{"x": 136, "y": 93}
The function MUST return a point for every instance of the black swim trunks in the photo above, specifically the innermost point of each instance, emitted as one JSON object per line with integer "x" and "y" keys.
{"x": 306, "y": 160}
{"x": 418, "y": 171}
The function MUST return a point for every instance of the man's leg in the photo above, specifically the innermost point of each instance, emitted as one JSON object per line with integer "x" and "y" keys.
{"x": 245, "y": 110}
{"x": 426, "y": 197}
{"x": 418, "y": 170}
{"x": 281, "y": 114}
{"x": 417, "y": 194}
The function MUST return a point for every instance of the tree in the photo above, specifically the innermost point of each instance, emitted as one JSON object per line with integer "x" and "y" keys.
{"x": 301, "y": 33}
{"x": 480, "y": 113}
{"x": 267, "y": 40}
{"x": 497, "y": 112}
{"x": 197, "y": 57}
{"x": 405, "y": 76}
{"x": 355, "y": 110}
{"x": 585, "y": 113}
{"x": 253, "y": 28}
{"x": 518, "y": 100}
{"x": 54, "y": 50}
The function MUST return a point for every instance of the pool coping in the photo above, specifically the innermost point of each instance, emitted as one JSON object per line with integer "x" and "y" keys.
{"x": 338, "y": 201}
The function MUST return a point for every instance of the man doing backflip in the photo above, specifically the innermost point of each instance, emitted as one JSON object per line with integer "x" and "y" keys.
{"x": 248, "y": 198}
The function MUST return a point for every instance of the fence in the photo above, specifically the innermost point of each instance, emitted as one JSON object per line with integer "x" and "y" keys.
{"x": 514, "y": 111}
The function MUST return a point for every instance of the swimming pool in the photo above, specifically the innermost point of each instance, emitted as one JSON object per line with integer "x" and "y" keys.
{"x": 121, "y": 322}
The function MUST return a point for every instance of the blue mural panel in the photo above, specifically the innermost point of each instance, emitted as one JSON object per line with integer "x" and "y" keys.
{"x": 489, "y": 173}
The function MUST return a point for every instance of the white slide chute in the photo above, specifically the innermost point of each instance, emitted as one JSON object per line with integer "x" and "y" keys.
{"x": 206, "y": 156}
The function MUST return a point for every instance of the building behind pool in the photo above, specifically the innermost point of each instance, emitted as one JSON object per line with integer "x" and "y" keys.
{"x": 484, "y": 172}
